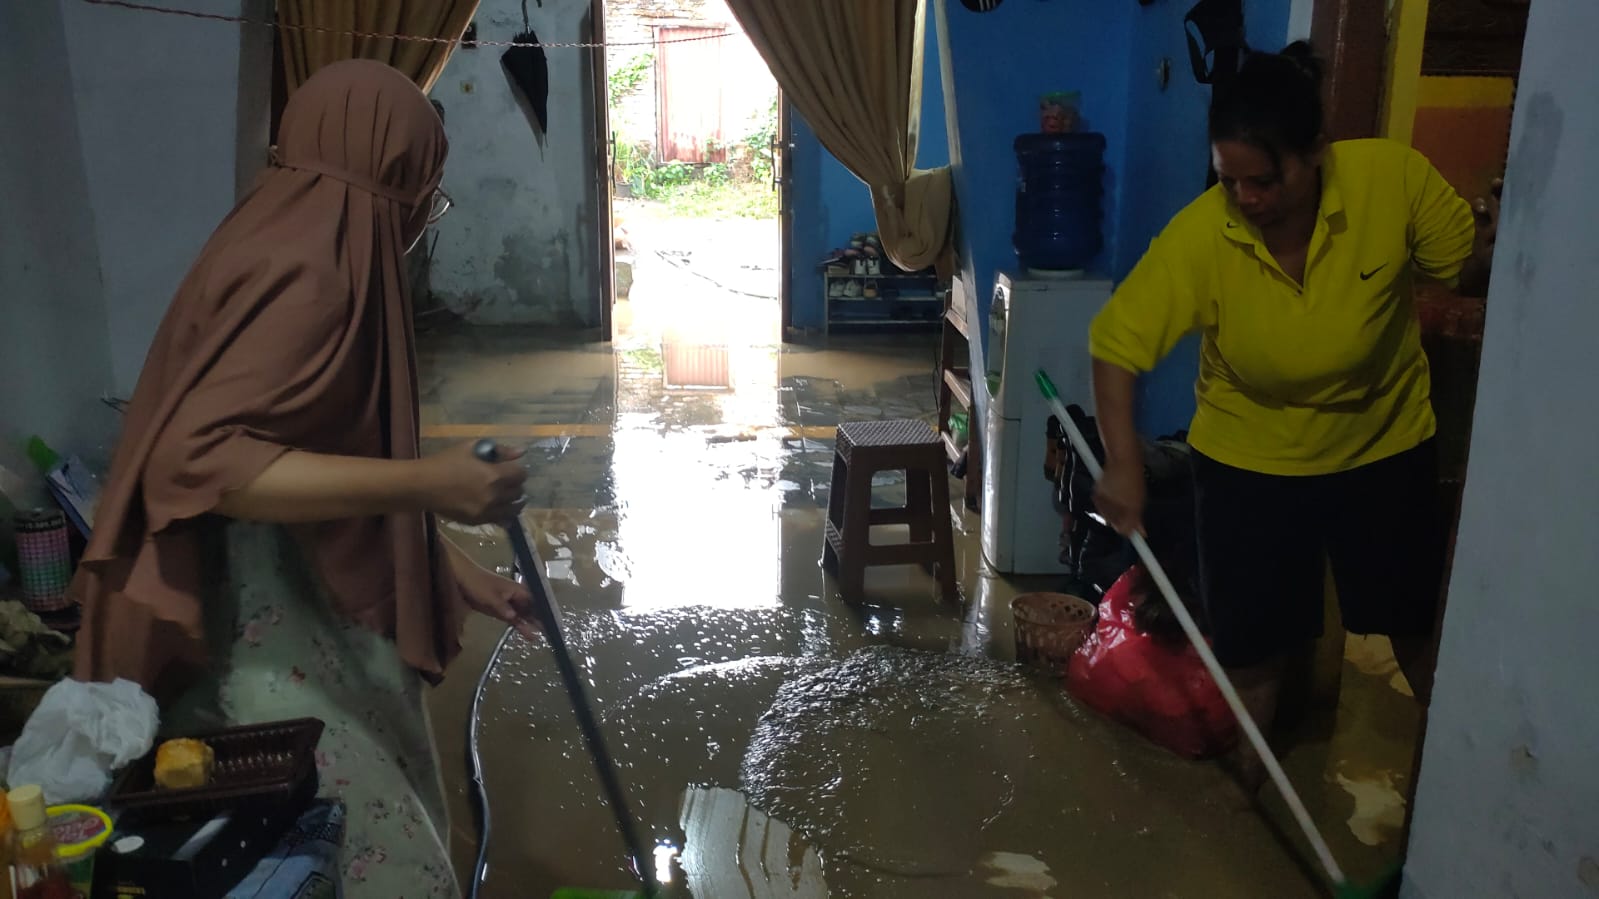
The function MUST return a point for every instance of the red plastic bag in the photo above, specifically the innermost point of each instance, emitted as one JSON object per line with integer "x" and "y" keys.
{"x": 1158, "y": 687}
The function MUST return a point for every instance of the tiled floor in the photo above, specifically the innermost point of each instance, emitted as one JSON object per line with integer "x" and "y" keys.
{"x": 777, "y": 741}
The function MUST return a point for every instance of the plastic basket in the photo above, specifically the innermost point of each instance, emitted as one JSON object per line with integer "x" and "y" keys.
{"x": 267, "y": 763}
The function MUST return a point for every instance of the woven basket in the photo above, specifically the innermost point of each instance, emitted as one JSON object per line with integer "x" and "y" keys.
{"x": 1050, "y": 627}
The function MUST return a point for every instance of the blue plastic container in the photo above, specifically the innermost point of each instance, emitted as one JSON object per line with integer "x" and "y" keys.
{"x": 1059, "y": 200}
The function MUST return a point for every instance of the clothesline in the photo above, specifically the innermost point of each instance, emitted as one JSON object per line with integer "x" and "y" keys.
{"x": 317, "y": 29}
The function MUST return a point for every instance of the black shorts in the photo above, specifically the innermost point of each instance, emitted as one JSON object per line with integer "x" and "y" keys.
{"x": 1265, "y": 542}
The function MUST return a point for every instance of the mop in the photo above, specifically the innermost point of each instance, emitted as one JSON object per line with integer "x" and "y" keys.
{"x": 1342, "y": 887}
{"x": 549, "y": 619}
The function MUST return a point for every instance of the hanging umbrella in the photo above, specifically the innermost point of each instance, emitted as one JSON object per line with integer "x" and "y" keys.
{"x": 529, "y": 73}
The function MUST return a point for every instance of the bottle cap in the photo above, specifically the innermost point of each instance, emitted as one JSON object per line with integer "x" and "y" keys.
{"x": 27, "y": 807}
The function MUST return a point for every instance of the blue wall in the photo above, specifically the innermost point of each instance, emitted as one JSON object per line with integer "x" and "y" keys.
{"x": 1001, "y": 61}
{"x": 1168, "y": 155}
{"x": 830, "y": 204}
{"x": 1156, "y": 150}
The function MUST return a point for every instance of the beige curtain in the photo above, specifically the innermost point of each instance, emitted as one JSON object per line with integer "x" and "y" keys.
{"x": 305, "y": 51}
{"x": 853, "y": 69}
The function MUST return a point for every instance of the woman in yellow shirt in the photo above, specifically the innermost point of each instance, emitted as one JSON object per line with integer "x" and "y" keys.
{"x": 1313, "y": 437}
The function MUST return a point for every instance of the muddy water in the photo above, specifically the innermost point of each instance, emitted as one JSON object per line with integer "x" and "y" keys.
{"x": 904, "y": 772}
{"x": 779, "y": 742}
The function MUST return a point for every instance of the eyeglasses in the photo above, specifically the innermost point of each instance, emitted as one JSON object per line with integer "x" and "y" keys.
{"x": 441, "y": 205}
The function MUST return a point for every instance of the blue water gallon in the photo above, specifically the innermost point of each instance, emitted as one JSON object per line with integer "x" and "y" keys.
{"x": 1059, "y": 193}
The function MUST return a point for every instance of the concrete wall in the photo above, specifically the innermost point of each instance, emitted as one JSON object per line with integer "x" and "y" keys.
{"x": 164, "y": 105}
{"x": 55, "y": 358}
{"x": 519, "y": 246}
{"x": 1509, "y": 791}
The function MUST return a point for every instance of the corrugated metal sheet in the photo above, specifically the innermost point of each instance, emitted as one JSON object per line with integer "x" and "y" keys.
{"x": 698, "y": 367}
{"x": 710, "y": 92}
{"x": 689, "y": 77}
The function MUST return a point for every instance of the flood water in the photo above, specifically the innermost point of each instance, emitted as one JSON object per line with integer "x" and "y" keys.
{"x": 776, "y": 741}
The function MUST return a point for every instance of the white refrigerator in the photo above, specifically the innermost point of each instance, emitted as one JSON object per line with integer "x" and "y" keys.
{"x": 1035, "y": 323}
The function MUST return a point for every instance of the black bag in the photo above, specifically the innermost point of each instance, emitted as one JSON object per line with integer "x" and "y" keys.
{"x": 1094, "y": 553}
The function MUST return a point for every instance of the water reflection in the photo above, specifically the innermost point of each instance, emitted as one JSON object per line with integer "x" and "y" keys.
{"x": 774, "y": 740}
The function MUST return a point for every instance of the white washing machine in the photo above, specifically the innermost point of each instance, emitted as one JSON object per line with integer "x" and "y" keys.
{"x": 1034, "y": 323}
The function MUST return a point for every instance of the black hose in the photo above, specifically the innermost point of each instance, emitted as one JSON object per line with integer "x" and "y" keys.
{"x": 548, "y": 616}
{"x": 480, "y": 796}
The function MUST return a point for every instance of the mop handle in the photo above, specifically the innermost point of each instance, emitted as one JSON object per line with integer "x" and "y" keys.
{"x": 1158, "y": 574}
{"x": 549, "y": 618}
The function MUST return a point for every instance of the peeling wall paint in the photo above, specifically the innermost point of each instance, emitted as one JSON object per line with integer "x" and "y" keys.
{"x": 519, "y": 245}
{"x": 1508, "y": 803}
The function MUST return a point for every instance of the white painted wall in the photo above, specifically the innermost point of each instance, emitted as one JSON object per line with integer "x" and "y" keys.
{"x": 162, "y": 104}
{"x": 1509, "y": 790}
{"x": 1299, "y": 20}
{"x": 124, "y": 152}
{"x": 519, "y": 245}
{"x": 54, "y": 348}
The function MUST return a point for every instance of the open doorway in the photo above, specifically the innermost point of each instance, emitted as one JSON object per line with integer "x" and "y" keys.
{"x": 694, "y": 164}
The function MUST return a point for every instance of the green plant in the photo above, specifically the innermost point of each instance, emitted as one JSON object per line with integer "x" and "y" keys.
{"x": 662, "y": 180}
{"x": 760, "y": 141}
{"x": 716, "y": 174}
{"x": 632, "y": 163}
{"x": 629, "y": 76}
{"x": 700, "y": 199}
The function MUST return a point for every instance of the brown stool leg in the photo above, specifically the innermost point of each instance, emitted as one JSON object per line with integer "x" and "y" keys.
{"x": 835, "y": 511}
{"x": 943, "y": 535}
{"x": 857, "y": 529}
{"x": 919, "y": 504}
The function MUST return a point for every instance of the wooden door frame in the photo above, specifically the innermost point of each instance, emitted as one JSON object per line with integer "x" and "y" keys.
{"x": 604, "y": 179}
{"x": 1352, "y": 37}
{"x": 782, "y": 174}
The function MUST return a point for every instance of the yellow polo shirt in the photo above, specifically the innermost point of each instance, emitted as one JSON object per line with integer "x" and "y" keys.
{"x": 1301, "y": 379}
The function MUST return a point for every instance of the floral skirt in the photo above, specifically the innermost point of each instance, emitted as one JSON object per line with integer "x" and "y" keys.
{"x": 281, "y": 652}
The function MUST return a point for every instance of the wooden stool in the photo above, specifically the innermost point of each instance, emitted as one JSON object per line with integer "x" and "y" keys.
{"x": 863, "y": 449}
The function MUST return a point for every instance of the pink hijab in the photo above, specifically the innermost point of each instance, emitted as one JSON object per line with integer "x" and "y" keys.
{"x": 291, "y": 332}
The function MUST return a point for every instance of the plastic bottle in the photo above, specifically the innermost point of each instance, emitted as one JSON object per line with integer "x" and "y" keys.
{"x": 5, "y": 851}
{"x": 35, "y": 872}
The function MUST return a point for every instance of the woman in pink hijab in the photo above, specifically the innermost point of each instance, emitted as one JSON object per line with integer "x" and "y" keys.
{"x": 266, "y": 546}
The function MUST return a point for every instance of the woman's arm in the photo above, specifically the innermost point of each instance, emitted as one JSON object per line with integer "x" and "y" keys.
{"x": 489, "y": 594}
{"x": 1159, "y": 303}
{"x": 305, "y": 487}
{"x": 1474, "y": 275}
{"x": 302, "y": 487}
{"x": 1119, "y": 495}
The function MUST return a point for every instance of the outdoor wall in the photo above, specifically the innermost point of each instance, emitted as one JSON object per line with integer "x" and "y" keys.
{"x": 1508, "y": 800}
{"x": 519, "y": 245}
{"x": 632, "y": 22}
